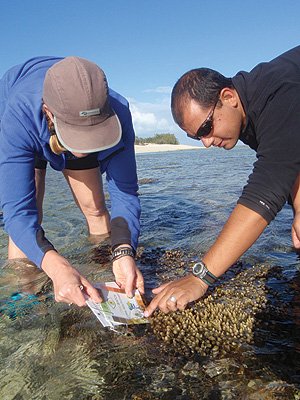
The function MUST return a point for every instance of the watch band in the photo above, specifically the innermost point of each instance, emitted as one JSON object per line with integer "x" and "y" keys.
{"x": 200, "y": 271}
{"x": 121, "y": 252}
{"x": 209, "y": 280}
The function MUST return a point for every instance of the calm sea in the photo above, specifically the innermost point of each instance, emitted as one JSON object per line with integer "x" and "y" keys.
{"x": 52, "y": 351}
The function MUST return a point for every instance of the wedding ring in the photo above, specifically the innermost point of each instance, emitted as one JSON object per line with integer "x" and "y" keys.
{"x": 81, "y": 287}
{"x": 173, "y": 299}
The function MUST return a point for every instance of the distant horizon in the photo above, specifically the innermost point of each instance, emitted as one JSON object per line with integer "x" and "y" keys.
{"x": 239, "y": 143}
{"x": 190, "y": 142}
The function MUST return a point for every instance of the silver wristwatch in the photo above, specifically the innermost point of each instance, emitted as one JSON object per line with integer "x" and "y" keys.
{"x": 200, "y": 271}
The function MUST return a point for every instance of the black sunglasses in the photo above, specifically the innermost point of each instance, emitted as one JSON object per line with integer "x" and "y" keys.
{"x": 206, "y": 126}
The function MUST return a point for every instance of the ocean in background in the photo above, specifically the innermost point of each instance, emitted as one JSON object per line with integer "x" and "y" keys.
{"x": 52, "y": 351}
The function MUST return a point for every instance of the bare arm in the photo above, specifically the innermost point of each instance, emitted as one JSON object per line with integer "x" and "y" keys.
{"x": 241, "y": 230}
{"x": 296, "y": 206}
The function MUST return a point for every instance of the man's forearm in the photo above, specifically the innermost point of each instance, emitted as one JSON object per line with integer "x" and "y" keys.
{"x": 296, "y": 195}
{"x": 241, "y": 230}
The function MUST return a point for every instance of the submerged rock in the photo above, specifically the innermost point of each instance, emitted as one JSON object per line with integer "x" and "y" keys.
{"x": 145, "y": 181}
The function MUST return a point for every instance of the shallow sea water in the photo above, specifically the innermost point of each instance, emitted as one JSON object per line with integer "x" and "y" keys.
{"x": 52, "y": 351}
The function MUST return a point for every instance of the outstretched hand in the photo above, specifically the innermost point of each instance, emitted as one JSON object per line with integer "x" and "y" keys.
{"x": 68, "y": 284}
{"x": 128, "y": 276}
{"x": 176, "y": 295}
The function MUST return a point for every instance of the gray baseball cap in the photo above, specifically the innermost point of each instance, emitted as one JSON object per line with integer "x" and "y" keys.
{"x": 76, "y": 92}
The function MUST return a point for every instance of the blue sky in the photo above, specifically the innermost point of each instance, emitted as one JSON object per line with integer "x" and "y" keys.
{"x": 145, "y": 46}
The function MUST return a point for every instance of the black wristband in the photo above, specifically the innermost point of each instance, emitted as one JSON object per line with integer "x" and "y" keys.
{"x": 121, "y": 252}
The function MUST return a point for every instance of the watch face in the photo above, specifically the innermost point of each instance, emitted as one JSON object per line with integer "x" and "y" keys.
{"x": 199, "y": 270}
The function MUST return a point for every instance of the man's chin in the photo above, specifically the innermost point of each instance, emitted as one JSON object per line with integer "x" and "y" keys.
{"x": 230, "y": 145}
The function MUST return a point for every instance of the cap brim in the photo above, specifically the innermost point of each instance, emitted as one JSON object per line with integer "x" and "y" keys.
{"x": 90, "y": 138}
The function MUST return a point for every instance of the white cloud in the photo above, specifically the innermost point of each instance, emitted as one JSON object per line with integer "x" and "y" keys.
{"x": 151, "y": 118}
{"x": 160, "y": 89}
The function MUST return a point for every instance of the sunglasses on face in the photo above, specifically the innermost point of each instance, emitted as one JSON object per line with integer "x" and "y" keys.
{"x": 206, "y": 126}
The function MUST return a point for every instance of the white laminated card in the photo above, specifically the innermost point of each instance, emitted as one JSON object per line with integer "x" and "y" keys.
{"x": 117, "y": 308}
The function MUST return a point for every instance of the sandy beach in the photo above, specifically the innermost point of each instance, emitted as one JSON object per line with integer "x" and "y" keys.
{"x": 154, "y": 148}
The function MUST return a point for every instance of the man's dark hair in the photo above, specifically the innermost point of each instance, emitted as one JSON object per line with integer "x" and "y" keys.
{"x": 202, "y": 85}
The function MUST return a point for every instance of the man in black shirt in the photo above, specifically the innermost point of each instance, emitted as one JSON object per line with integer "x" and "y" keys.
{"x": 262, "y": 109}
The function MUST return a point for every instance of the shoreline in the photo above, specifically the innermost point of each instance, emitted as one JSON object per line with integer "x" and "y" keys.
{"x": 155, "y": 148}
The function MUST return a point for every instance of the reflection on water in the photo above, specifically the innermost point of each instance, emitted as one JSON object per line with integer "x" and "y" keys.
{"x": 52, "y": 351}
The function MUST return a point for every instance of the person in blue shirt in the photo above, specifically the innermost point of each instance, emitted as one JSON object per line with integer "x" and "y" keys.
{"x": 60, "y": 111}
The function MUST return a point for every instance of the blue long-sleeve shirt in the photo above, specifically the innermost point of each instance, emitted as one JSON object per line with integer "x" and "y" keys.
{"x": 24, "y": 133}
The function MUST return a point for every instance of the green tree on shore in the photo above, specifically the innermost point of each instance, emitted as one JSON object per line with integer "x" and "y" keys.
{"x": 158, "y": 138}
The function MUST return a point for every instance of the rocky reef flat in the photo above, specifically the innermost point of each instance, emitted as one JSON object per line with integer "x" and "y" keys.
{"x": 240, "y": 342}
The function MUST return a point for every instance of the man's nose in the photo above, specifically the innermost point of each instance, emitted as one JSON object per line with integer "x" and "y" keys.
{"x": 207, "y": 141}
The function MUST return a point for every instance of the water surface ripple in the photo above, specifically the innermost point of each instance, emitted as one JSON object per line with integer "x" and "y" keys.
{"x": 52, "y": 351}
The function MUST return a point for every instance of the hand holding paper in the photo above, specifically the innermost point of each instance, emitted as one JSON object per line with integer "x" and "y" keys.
{"x": 117, "y": 308}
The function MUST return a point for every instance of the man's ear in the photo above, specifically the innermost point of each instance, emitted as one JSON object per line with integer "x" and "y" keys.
{"x": 47, "y": 112}
{"x": 229, "y": 96}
